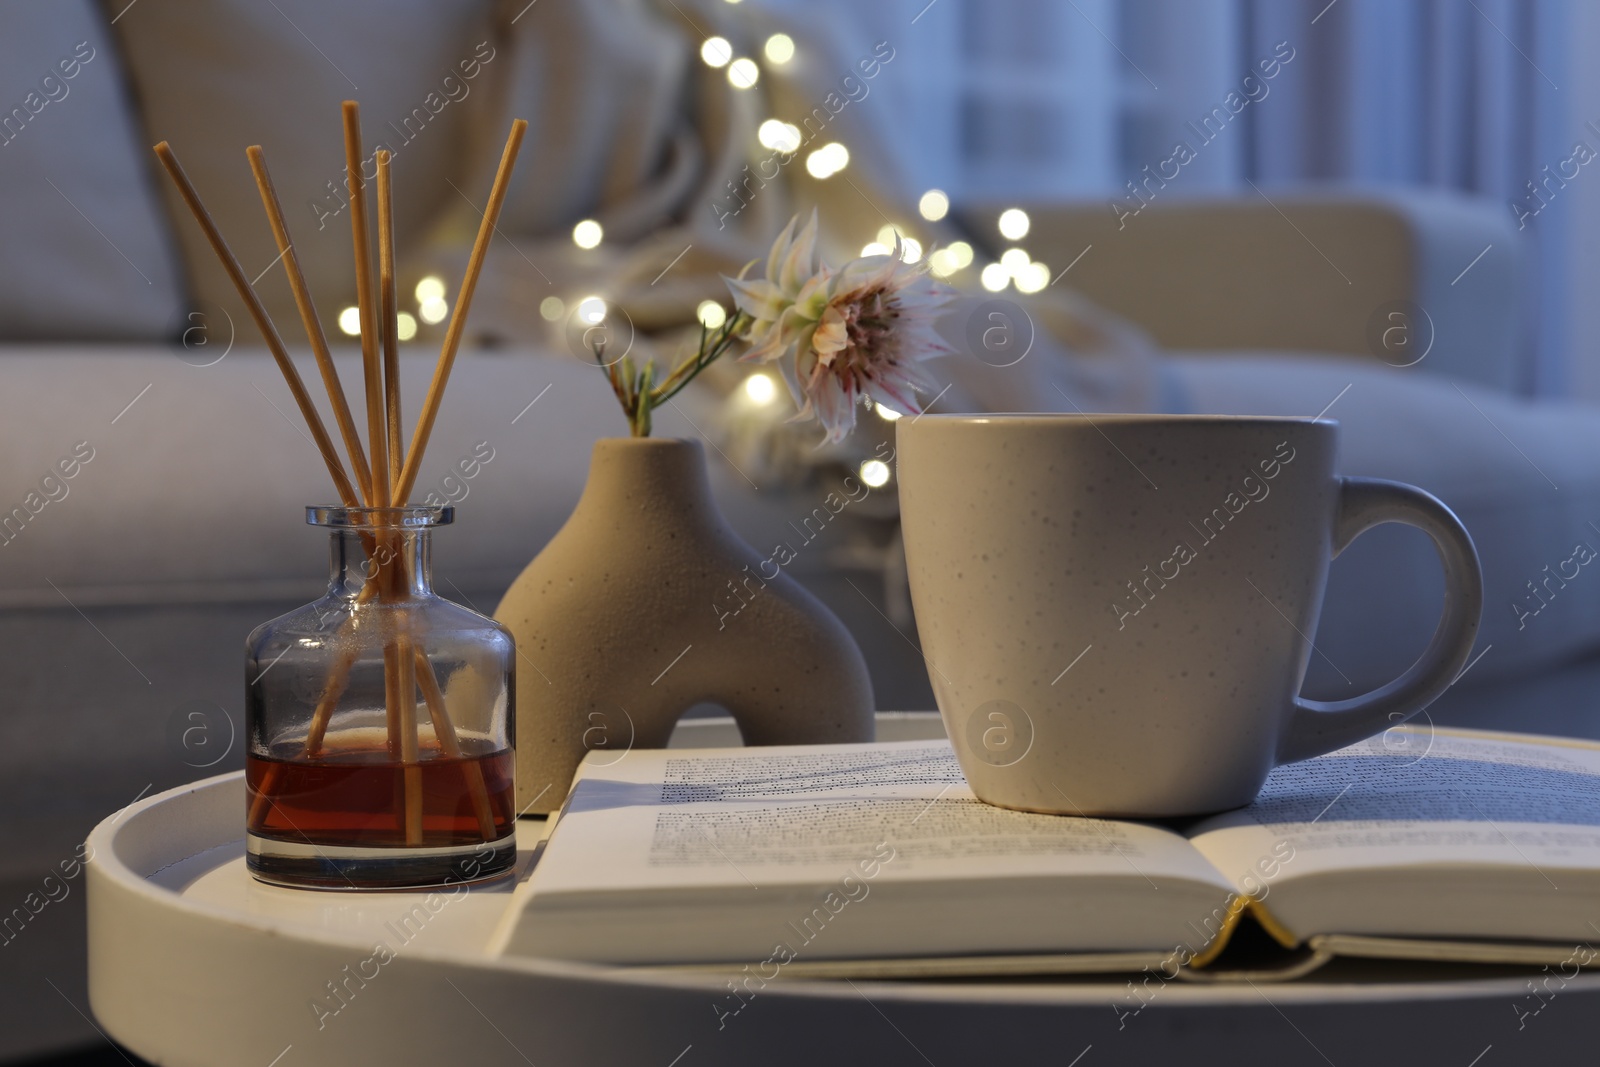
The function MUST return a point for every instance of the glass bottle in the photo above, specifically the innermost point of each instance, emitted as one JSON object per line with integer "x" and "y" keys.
{"x": 380, "y": 722}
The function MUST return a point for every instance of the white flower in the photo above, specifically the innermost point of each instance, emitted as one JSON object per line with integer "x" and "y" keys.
{"x": 855, "y": 333}
{"x": 791, "y": 266}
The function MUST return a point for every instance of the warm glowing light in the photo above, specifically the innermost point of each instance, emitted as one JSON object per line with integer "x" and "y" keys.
{"x": 587, "y": 234}
{"x": 592, "y": 310}
{"x": 1015, "y": 260}
{"x": 960, "y": 253}
{"x": 910, "y": 249}
{"x": 828, "y": 160}
{"x": 711, "y": 314}
{"x": 778, "y": 135}
{"x": 761, "y": 388}
{"x": 743, "y": 73}
{"x": 886, "y": 234}
{"x": 934, "y": 205}
{"x": 875, "y": 472}
{"x": 1014, "y": 224}
{"x": 716, "y": 52}
{"x": 551, "y": 308}
{"x": 350, "y": 321}
{"x": 779, "y": 48}
{"x": 405, "y": 327}
{"x": 995, "y": 277}
{"x": 430, "y": 288}
{"x": 942, "y": 264}
{"x": 434, "y": 310}
{"x": 875, "y": 248}
{"x": 1033, "y": 277}
{"x": 886, "y": 413}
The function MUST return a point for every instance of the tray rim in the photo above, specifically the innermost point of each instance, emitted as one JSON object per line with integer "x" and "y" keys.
{"x": 110, "y": 871}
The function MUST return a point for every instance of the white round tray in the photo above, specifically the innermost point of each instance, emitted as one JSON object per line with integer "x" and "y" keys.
{"x": 191, "y": 961}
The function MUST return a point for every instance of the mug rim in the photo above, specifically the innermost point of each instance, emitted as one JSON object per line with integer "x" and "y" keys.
{"x": 1120, "y": 418}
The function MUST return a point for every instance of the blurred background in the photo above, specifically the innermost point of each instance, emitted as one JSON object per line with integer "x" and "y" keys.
{"x": 1034, "y": 98}
{"x": 1382, "y": 210}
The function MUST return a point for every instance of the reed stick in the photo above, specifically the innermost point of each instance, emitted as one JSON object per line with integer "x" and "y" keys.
{"x": 377, "y": 436}
{"x": 338, "y": 675}
{"x": 404, "y": 681}
{"x": 458, "y": 317}
{"x": 405, "y": 671}
{"x": 450, "y": 743}
{"x": 401, "y": 708}
{"x": 390, "y": 311}
{"x": 258, "y": 312}
{"x": 311, "y": 321}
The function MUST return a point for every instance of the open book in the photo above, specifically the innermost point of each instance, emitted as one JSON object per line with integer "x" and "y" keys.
{"x": 1443, "y": 845}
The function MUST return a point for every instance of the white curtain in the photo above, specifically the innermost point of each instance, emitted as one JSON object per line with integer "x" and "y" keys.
{"x": 1473, "y": 95}
{"x": 1042, "y": 98}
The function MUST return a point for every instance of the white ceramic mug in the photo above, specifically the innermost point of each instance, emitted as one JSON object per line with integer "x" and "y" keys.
{"x": 1117, "y": 610}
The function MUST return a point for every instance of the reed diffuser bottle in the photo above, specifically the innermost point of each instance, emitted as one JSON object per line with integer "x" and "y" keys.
{"x": 379, "y": 722}
{"x": 379, "y": 717}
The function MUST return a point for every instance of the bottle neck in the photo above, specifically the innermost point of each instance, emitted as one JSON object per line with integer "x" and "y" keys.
{"x": 400, "y": 560}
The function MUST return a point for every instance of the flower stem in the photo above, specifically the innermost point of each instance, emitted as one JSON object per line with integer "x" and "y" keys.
{"x": 643, "y": 400}
{"x": 713, "y": 344}
{"x": 638, "y": 391}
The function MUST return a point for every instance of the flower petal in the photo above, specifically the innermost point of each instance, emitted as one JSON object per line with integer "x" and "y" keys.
{"x": 755, "y": 297}
{"x": 799, "y": 264}
{"x": 831, "y": 335}
{"x": 834, "y": 408}
{"x": 766, "y": 348}
{"x": 780, "y": 247}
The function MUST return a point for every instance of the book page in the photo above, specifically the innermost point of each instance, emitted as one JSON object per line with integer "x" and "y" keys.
{"x": 1412, "y": 798}
{"x": 794, "y": 814}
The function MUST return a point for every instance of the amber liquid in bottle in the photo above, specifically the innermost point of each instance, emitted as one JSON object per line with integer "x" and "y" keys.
{"x": 352, "y": 796}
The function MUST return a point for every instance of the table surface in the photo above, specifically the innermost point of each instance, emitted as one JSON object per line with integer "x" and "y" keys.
{"x": 193, "y": 961}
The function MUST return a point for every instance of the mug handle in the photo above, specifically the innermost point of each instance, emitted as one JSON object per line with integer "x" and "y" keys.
{"x": 1315, "y": 726}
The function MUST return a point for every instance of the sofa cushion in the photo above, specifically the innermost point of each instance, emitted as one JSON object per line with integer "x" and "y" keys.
{"x": 1521, "y": 475}
{"x": 85, "y": 252}
{"x": 132, "y": 477}
{"x": 274, "y": 75}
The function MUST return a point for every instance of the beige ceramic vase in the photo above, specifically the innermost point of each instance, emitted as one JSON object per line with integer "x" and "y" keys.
{"x": 646, "y": 603}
